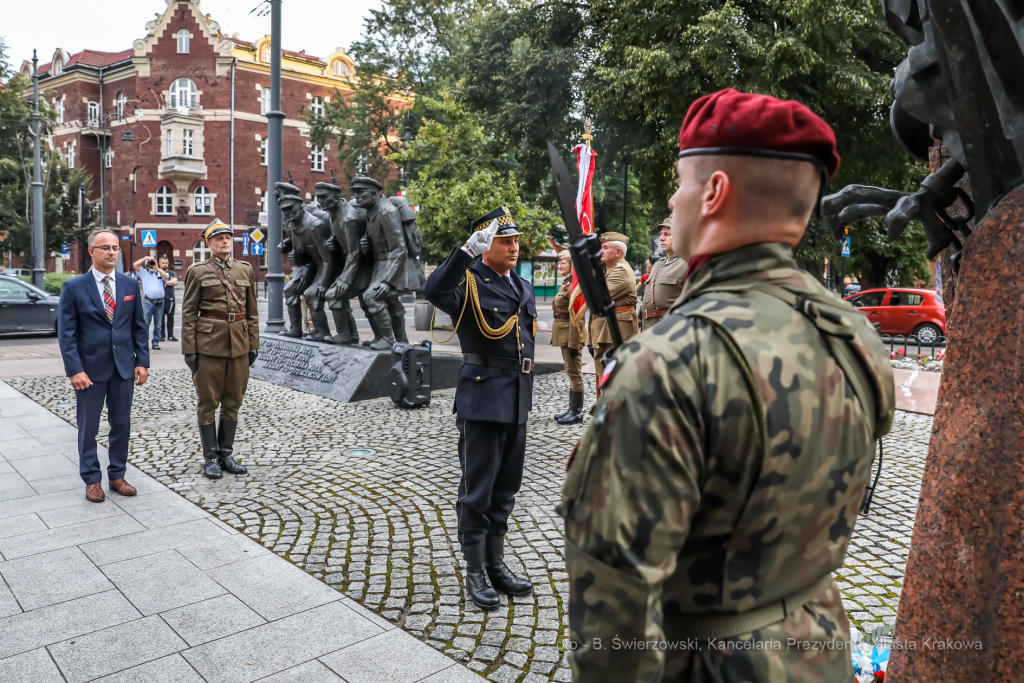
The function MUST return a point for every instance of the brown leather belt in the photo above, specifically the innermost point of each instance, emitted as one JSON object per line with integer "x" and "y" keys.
{"x": 218, "y": 315}
{"x": 561, "y": 316}
{"x": 625, "y": 309}
{"x": 654, "y": 314}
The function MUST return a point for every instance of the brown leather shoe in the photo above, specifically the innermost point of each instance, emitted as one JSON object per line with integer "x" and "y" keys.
{"x": 122, "y": 487}
{"x": 94, "y": 493}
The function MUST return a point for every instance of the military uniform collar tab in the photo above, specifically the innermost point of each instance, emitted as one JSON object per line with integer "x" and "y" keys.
{"x": 732, "y": 264}
{"x": 222, "y": 262}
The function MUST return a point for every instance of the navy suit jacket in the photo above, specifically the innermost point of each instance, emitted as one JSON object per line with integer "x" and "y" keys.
{"x": 486, "y": 393}
{"x": 90, "y": 343}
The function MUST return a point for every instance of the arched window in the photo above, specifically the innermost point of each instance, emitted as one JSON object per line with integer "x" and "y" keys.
{"x": 58, "y": 66}
{"x": 94, "y": 114}
{"x": 183, "y": 94}
{"x": 264, "y": 101}
{"x": 202, "y": 201}
{"x": 265, "y": 54}
{"x": 200, "y": 252}
{"x": 340, "y": 68}
{"x": 120, "y": 101}
{"x": 183, "y": 41}
{"x": 317, "y": 107}
{"x": 60, "y": 109}
{"x": 164, "y": 201}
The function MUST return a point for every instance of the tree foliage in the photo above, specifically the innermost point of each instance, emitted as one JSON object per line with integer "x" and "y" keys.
{"x": 458, "y": 182}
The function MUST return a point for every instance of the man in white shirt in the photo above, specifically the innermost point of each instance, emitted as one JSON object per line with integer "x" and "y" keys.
{"x": 154, "y": 279}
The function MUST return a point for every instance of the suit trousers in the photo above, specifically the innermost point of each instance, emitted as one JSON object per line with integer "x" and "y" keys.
{"x": 491, "y": 455}
{"x": 573, "y": 367}
{"x": 169, "y": 306}
{"x": 117, "y": 393}
{"x": 220, "y": 381}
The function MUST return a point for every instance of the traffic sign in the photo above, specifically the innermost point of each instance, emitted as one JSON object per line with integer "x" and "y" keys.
{"x": 256, "y": 235}
{"x": 245, "y": 244}
{"x": 126, "y": 237}
{"x": 65, "y": 251}
{"x": 257, "y": 249}
{"x": 149, "y": 238}
{"x": 846, "y": 247}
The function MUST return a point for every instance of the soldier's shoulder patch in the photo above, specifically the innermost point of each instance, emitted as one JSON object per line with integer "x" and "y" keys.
{"x": 609, "y": 370}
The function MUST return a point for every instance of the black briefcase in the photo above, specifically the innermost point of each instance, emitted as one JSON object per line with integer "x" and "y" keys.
{"x": 410, "y": 374}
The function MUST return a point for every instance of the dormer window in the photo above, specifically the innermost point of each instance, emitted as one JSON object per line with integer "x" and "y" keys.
{"x": 183, "y": 37}
{"x": 340, "y": 68}
{"x": 265, "y": 54}
{"x": 58, "y": 66}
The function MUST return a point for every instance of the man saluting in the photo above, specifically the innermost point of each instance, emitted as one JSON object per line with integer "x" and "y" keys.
{"x": 495, "y": 316}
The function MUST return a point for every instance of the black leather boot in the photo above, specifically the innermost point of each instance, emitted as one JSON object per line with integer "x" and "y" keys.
{"x": 501, "y": 578}
{"x": 479, "y": 590}
{"x": 567, "y": 410}
{"x": 208, "y": 437}
{"x": 575, "y": 414}
{"x": 225, "y": 446}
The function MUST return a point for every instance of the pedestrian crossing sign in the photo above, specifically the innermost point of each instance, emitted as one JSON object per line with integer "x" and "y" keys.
{"x": 846, "y": 247}
{"x": 256, "y": 235}
{"x": 149, "y": 238}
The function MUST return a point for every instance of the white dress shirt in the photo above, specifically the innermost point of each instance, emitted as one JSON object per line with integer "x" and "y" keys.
{"x": 99, "y": 284}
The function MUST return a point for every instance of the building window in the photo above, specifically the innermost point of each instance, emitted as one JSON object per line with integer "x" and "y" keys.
{"x": 317, "y": 160}
{"x": 60, "y": 109}
{"x": 71, "y": 154}
{"x": 58, "y": 66}
{"x": 263, "y": 201}
{"x": 340, "y": 68}
{"x": 317, "y": 107}
{"x": 265, "y": 54}
{"x": 264, "y": 101}
{"x": 94, "y": 114}
{"x": 263, "y": 152}
{"x": 120, "y": 101}
{"x": 164, "y": 200}
{"x": 183, "y": 94}
{"x": 188, "y": 143}
{"x": 183, "y": 42}
{"x": 202, "y": 200}
{"x": 170, "y": 143}
{"x": 200, "y": 252}
{"x": 108, "y": 157}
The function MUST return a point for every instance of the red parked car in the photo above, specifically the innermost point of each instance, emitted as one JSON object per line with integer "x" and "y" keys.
{"x": 905, "y": 311}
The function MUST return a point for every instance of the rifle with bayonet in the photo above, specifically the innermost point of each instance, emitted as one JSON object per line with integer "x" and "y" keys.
{"x": 585, "y": 250}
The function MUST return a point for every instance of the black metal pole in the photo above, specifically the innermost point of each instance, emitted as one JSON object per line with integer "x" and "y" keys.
{"x": 275, "y": 162}
{"x": 38, "y": 239}
{"x": 625, "y": 194}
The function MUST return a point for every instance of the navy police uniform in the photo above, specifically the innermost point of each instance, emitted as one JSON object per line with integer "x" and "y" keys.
{"x": 493, "y": 398}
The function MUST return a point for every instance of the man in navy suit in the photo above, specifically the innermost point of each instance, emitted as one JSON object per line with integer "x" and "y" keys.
{"x": 493, "y": 396}
{"x": 103, "y": 341}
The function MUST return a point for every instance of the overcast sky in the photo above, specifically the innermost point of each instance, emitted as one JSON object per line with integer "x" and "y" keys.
{"x": 316, "y": 27}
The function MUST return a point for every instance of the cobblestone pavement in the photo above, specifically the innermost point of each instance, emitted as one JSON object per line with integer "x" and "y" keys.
{"x": 382, "y": 528}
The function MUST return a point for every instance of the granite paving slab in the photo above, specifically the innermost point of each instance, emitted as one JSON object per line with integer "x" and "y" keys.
{"x": 160, "y": 582}
{"x": 66, "y": 536}
{"x": 272, "y": 588}
{"x": 35, "y": 666}
{"x": 114, "y": 649}
{"x": 211, "y": 619}
{"x": 170, "y": 669}
{"x": 310, "y": 672}
{"x": 53, "y": 577}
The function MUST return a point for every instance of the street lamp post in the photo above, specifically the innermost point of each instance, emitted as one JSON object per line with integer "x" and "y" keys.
{"x": 275, "y": 159}
{"x": 38, "y": 244}
{"x": 406, "y": 141}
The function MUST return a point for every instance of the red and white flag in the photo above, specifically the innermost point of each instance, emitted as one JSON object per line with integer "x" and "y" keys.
{"x": 586, "y": 161}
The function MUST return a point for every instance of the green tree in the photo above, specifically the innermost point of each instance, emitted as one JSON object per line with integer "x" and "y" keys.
{"x": 459, "y": 181}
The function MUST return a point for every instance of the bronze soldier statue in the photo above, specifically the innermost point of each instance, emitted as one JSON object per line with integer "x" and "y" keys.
{"x": 391, "y": 237}
{"x": 220, "y": 338}
{"x": 329, "y": 198}
{"x": 715, "y": 490}
{"x": 664, "y": 282}
{"x": 308, "y": 243}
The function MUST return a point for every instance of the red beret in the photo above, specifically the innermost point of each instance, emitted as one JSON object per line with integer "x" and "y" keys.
{"x": 737, "y": 123}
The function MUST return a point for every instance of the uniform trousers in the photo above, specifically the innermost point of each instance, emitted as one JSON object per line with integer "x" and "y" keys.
{"x": 169, "y": 307}
{"x": 573, "y": 367}
{"x": 491, "y": 455}
{"x": 220, "y": 381}
{"x": 117, "y": 393}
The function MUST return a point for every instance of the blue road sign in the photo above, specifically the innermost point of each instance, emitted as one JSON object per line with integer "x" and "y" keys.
{"x": 126, "y": 237}
{"x": 149, "y": 238}
{"x": 846, "y": 247}
{"x": 245, "y": 244}
{"x": 257, "y": 249}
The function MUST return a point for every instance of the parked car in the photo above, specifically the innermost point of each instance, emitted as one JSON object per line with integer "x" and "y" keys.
{"x": 24, "y": 308}
{"x": 851, "y": 289}
{"x": 905, "y": 311}
{"x": 17, "y": 272}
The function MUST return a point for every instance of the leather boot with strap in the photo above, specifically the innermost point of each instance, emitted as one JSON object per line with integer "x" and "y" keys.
{"x": 575, "y": 414}
{"x": 567, "y": 410}
{"x": 479, "y": 589}
{"x": 498, "y": 572}
{"x": 208, "y": 438}
{"x": 225, "y": 447}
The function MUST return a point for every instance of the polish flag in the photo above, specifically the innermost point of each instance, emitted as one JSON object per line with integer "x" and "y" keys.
{"x": 586, "y": 161}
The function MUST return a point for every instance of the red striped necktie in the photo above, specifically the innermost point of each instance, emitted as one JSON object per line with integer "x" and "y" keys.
{"x": 108, "y": 298}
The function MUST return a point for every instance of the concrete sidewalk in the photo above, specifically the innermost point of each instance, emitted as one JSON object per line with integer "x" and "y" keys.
{"x": 152, "y": 588}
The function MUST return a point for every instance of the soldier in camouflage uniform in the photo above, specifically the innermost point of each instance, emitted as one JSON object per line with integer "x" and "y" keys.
{"x": 716, "y": 488}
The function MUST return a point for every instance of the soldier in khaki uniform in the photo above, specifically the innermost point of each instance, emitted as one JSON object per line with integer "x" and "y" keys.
{"x": 565, "y": 334}
{"x": 220, "y": 335}
{"x": 665, "y": 281}
{"x": 621, "y": 281}
{"x": 715, "y": 490}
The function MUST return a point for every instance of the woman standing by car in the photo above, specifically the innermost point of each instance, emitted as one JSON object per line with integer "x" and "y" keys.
{"x": 567, "y": 336}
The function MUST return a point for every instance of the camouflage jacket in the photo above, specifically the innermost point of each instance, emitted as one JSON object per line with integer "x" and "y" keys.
{"x": 722, "y": 472}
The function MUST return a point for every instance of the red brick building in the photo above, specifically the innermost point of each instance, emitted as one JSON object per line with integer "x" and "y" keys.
{"x": 193, "y": 99}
